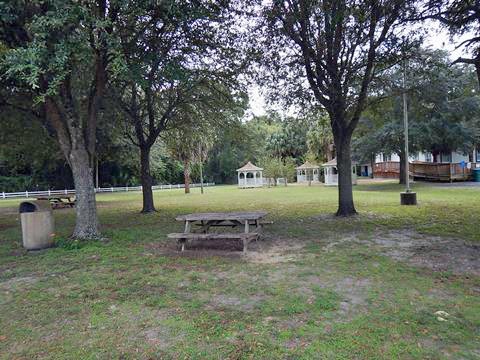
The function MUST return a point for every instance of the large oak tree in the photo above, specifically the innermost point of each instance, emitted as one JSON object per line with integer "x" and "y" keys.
{"x": 327, "y": 53}
{"x": 58, "y": 53}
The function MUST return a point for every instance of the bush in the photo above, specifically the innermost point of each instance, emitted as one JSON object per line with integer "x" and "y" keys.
{"x": 15, "y": 183}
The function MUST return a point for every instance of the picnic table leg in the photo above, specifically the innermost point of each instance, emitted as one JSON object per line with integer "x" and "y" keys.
{"x": 188, "y": 226}
{"x": 245, "y": 239}
{"x": 258, "y": 228}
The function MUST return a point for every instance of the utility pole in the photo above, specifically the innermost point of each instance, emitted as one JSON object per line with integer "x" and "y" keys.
{"x": 408, "y": 197}
{"x": 405, "y": 123}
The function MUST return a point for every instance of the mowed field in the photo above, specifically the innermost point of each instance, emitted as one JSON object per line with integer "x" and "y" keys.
{"x": 391, "y": 283}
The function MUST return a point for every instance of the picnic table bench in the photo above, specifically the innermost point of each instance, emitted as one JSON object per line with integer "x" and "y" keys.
{"x": 250, "y": 221}
{"x": 59, "y": 201}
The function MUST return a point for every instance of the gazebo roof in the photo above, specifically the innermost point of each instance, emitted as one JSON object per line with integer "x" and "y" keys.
{"x": 249, "y": 167}
{"x": 307, "y": 165}
{"x": 333, "y": 162}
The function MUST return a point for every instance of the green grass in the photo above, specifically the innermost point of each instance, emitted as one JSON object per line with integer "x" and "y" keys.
{"x": 295, "y": 296}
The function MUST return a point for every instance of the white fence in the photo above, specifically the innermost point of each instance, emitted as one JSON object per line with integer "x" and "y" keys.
{"x": 30, "y": 194}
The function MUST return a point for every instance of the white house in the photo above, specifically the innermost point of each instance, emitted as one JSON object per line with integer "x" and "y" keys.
{"x": 331, "y": 173}
{"x": 451, "y": 157}
{"x": 308, "y": 172}
{"x": 250, "y": 176}
{"x": 448, "y": 166}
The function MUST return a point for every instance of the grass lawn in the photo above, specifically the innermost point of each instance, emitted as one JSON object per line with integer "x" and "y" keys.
{"x": 317, "y": 287}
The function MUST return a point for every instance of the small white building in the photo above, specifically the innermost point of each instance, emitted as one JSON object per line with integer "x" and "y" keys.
{"x": 308, "y": 172}
{"x": 250, "y": 176}
{"x": 331, "y": 173}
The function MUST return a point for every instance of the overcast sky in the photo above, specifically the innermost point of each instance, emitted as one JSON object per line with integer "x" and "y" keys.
{"x": 437, "y": 39}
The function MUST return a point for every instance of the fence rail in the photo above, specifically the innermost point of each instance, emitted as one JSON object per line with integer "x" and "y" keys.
{"x": 30, "y": 194}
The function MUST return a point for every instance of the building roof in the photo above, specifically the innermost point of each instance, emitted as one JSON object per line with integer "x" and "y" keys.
{"x": 249, "y": 167}
{"x": 307, "y": 165}
{"x": 333, "y": 162}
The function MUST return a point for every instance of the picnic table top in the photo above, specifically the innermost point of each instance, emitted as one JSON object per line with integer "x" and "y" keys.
{"x": 218, "y": 216}
{"x": 48, "y": 197}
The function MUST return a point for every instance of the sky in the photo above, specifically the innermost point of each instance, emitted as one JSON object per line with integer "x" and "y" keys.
{"x": 437, "y": 38}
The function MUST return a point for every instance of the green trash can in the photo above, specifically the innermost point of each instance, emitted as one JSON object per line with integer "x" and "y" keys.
{"x": 476, "y": 175}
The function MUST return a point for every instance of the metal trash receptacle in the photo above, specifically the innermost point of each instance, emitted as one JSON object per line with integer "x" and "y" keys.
{"x": 37, "y": 224}
{"x": 476, "y": 174}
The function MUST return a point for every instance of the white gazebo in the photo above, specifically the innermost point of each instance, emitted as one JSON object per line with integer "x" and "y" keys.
{"x": 331, "y": 173}
{"x": 250, "y": 176}
{"x": 308, "y": 172}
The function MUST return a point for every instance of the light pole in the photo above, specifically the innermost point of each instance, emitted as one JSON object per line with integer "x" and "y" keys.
{"x": 408, "y": 197}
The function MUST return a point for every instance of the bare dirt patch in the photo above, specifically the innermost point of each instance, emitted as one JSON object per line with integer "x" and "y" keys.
{"x": 232, "y": 302}
{"x": 267, "y": 250}
{"x": 352, "y": 291}
{"x": 16, "y": 283}
{"x": 434, "y": 252}
{"x": 354, "y": 295}
{"x": 274, "y": 250}
{"x": 276, "y": 254}
{"x": 199, "y": 251}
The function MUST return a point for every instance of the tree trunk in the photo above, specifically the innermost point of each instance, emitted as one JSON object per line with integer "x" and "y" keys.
{"x": 75, "y": 148}
{"x": 86, "y": 225}
{"x": 146, "y": 180}
{"x": 344, "y": 166}
{"x": 186, "y": 176}
{"x": 477, "y": 68}
{"x": 402, "y": 168}
{"x": 201, "y": 177}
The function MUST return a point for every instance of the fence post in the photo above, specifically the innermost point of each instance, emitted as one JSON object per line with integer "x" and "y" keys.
{"x": 26, "y": 193}
{"x": 111, "y": 189}
{"x": 3, "y": 194}
{"x": 66, "y": 191}
{"x": 126, "y": 188}
{"x": 49, "y": 193}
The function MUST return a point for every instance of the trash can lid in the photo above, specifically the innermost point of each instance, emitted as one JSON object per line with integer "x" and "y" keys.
{"x": 34, "y": 206}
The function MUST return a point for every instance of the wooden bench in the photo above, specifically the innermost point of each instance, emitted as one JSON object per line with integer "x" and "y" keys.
{"x": 183, "y": 238}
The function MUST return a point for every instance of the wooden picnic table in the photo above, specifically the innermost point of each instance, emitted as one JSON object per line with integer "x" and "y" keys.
{"x": 59, "y": 201}
{"x": 251, "y": 221}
